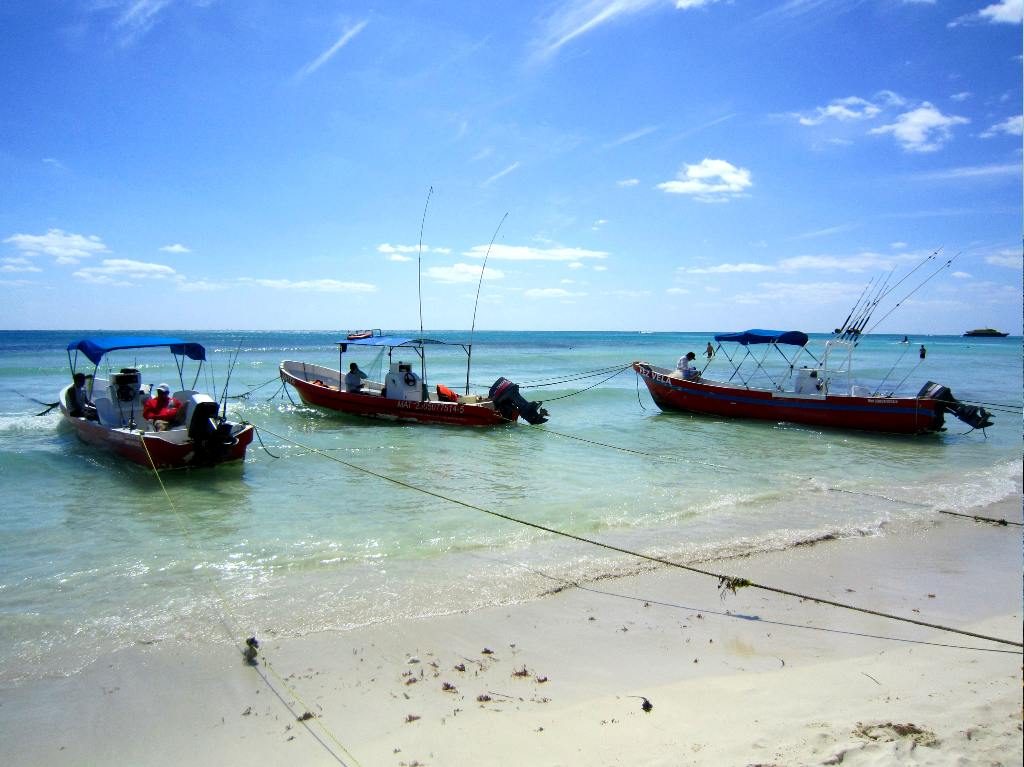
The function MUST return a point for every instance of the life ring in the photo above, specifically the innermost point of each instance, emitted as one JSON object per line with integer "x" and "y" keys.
{"x": 410, "y": 379}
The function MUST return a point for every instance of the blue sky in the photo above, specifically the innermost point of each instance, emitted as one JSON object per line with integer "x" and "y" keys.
{"x": 683, "y": 165}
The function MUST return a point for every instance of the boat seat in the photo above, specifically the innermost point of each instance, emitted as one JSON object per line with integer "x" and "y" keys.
{"x": 107, "y": 412}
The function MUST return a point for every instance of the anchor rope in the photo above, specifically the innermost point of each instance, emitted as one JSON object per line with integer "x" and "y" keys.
{"x": 726, "y": 582}
{"x": 227, "y": 619}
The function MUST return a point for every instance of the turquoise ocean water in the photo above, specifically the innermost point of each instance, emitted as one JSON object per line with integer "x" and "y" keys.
{"x": 95, "y": 557}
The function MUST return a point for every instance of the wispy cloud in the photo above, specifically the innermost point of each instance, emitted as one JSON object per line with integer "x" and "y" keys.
{"x": 627, "y": 182}
{"x": 577, "y": 18}
{"x": 318, "y": 286}
{"x": 18, "y": 264}
{"x": 175, "y": 248}
{"x": 729, "y": 269}
{"x": 630, "y": 137}
{"x": 402, "y": 253}
{"x": 501, "y": 252}
{"x": 1008, "y": 258}
{"x": 1002, "y": 12}
{"x": 1011, "y": 126}
{"x": 544, "y": 293}
{"x": 326, "y": 56}
{"x": 972, "y": 171}
{"x": 138, "y": 17}
{"x": 709, "y": 181}
{"x": 65, "y": 247}
{"x": 462, "y": 273}
{"x": 924, "y": 129}
{"x": 824, "y": 232}
{"x": 122, "y": 271}
{"x": 866, "y": 261}
{"x": 501, "y": 173}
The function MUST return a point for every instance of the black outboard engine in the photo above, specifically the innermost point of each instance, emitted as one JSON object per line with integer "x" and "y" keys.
{"x": 210, "y": 436}
{"x": 974, "y": 416}
{"x": 126, "y": 383}
{"x": 510, "y": 403}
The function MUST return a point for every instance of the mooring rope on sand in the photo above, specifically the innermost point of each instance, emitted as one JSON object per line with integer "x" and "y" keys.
{"x": 726, "y": 582}
{"x": 227, "y": 619}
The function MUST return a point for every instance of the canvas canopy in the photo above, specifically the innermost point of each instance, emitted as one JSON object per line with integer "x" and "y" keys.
{"x": 95, "y": 348}
{"x": 748, "y": 337}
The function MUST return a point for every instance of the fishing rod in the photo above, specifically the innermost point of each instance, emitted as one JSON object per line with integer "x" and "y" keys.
{"x": 842, "y": 328}
{"x": 419, "y": 283}
{"x": 227, "y": 380}
{"x": 476, "y": 303}
{"x": 912, "y": 292}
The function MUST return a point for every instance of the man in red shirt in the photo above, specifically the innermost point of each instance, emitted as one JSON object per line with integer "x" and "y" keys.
{"x": 163, "y": 409}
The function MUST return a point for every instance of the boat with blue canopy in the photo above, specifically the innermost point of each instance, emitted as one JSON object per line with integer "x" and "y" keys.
{"x": 403, "y": 393}
{"x": 165, "y": 429}
{"x": 773, "y": 375}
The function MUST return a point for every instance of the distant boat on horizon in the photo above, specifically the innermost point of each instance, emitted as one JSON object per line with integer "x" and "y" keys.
{"x": 985, "y": 333}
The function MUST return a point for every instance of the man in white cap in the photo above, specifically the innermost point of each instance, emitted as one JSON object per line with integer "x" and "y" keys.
{"x": 163, "y": 409}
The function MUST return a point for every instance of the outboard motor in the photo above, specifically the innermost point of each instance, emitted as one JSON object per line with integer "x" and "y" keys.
{"x": 974, "y": 416}
{"x": 126, "y": 384}
{"x": 210, "y": 436}
{"x": 511, "y": 404}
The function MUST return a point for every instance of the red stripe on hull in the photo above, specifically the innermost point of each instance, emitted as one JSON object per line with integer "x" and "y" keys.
{"x": 894, "y": 415}
{"x": 375, "y": 406}
{"x": 166, "y": 454}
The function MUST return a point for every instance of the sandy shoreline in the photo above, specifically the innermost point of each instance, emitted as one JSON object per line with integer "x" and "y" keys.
{"x": 564, "y": 684}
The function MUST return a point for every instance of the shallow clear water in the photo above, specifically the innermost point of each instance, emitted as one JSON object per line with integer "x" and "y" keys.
{"x": 95, "y": 555}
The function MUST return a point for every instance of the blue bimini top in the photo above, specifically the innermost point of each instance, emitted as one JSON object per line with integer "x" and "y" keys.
{"x": 747, "y": 337}
{"x": 95, "y": 348}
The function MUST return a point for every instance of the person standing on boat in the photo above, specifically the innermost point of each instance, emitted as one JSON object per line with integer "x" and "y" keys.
{"x": 354, "y": 378}
{"x": 163, "y": 409}
{"x": 685, "y": 365}
{"x": 923, "y": 352}
{"x": 81, "y": 405}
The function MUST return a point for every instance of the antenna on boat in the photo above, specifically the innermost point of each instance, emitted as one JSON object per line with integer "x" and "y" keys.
{"x": 419, "y": 259}
{"x": 472, "y": 327}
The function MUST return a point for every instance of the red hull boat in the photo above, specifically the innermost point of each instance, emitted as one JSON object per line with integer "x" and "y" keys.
{"x": 112, "y": 419}
{"x": 403, "y": 394}
{"x": 817, "y": 396}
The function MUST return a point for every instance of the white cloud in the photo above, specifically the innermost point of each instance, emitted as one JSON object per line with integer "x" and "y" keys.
{"x": 962, "y": 96}
{"x": 728, "y": 269}
{"x": 627, "y": 182}
{"x": 53, "y": 162}
{"x": 121, "y": 271}
{"x": 550, "y": 293}
{"x": 18, "y": 264}
{"x": 1008, "y": 258}
{"x": 709, "y": 181}
{"x": 977, "y": 171}
{"x": 318, "y": 286}
{"x": 784, "y": 293}
{"x": 924, "y": 129}
{"x": 1003, "y": 12}
{"x": 600, "y": 268}
{"x": 527, "y": 253}
{"x": 630, "y": 137}
{"x": 579, "y": 17}
{"x": 326, "y": 56}
{"x": 66, "y": 248}
{"x": 849, "y": 108}
{"x": 394, "y": 252}
{"x": 599, "y": 223}
{"x": 462, "y": 273}
{"x": 1011, "y": 126}
{"x": 961, "y": 275}
{"x": 861, "y": 262}
{"x": 201, "y": 286}
{"x": 175, "y": 248}
{"x": 138, "y": 18}
{"x": 500, "y": 174}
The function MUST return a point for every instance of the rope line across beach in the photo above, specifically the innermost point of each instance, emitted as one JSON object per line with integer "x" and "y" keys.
{"x": 725, "y": 581}
{"x": 227, "y": 621}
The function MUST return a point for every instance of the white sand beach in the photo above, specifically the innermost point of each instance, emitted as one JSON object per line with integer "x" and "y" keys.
{"x": 740, "y": 679}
